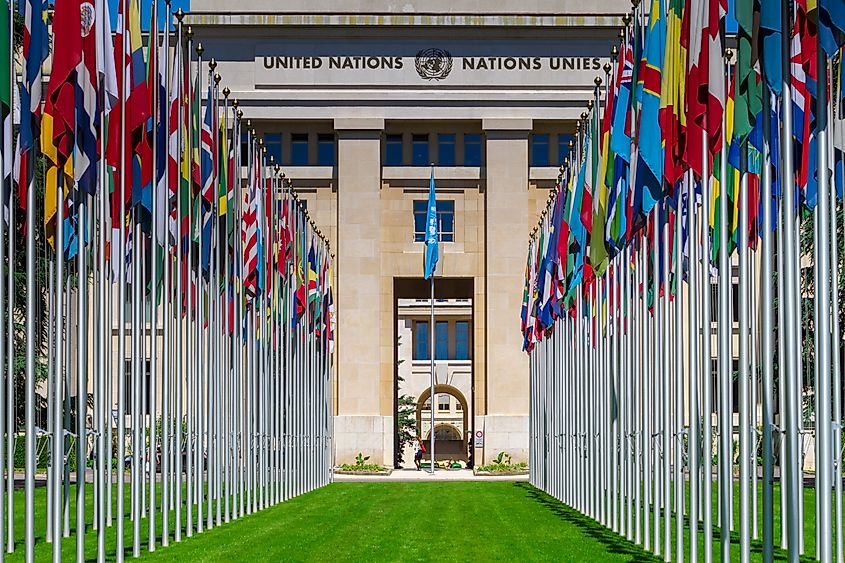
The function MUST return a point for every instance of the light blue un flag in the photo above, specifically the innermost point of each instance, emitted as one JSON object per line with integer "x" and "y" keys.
{"x": 431, "y": 238}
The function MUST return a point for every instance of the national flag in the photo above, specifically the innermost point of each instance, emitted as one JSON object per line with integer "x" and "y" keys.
{"x": 105, "y": 55}
{"x": 673, "y": 98}
{"x": 135, "y": 183}
{"x": 87, "y": 103}
{"x": 431, "y": 234}
{"x": 771, "y": 43}
{"x": 698, "y": 82}
{"x": 649, "y": 169}
{"x": 620, "y": 147}
{"x": 35, "y": 50}
{"x": 207, "y": 175}
{"x": 748, "y": 102}
{"x": 831, "y": 25}
{"x": 598, "y": 235}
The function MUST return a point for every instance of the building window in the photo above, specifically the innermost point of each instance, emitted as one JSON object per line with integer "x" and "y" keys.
{"x": 145, "y": 384}
{"x": 540, "y": 149}
{"x": 446, "y": 149}
{"x": 461, "y": 340}
{"x": 393, "y": 151}
{"x": 325, "y": 149}
{"x": 445, "y": 220}
{"x": 299, "y": 149}
{"x": 563, "y": 146}
{"x": 441, "y": 340}
{"x": 421, "y": 336}
{"x": 458, "y": 406}
{"x": 443, "y": 402}
{"x": 419, "y": 150}
{"x": 273, "y": 142}
{"x": 472, "y": 149}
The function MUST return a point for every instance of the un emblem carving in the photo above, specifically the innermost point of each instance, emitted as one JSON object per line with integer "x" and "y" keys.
{"x": 433, "y": 64}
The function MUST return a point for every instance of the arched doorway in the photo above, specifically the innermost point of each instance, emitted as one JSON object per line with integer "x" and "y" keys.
{"x": 451, "y": 422}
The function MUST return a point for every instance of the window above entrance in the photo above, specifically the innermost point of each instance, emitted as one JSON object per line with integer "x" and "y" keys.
{"x": 445, "y": 220}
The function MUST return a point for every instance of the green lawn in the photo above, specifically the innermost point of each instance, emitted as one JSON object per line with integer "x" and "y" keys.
{"x": 469, "y": 521}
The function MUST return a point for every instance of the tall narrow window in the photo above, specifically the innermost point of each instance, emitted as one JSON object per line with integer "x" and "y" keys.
{"x": 393, "y": 150}
{"x": 325, "y": 149}
{"x": 441, "y": 340}
{"x": 461, "y": 340}
{"x": 563, "y": 146}
{"x": 472, "y": 149}
{"x": 421, "y": 347}
{"x": 446, "y": 149}
{"x": 540, "y": 149}
{"x": 419, "y": 150}
{"x": 273, "y": 141}
{"x": 299, "y": 149}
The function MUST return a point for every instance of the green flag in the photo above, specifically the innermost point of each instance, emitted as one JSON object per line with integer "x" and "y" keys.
{"x": 5, "y": 56}
{"x": 748, "y": 102}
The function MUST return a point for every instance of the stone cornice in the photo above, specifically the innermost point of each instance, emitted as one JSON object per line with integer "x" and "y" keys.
{"x": 402, "y": 20}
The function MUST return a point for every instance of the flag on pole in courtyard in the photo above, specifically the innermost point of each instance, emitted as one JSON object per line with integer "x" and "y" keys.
{"x": 431, "y": 231}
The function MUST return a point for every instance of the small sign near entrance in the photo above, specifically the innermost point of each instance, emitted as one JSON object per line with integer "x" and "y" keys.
{"x": 479, "y": 439}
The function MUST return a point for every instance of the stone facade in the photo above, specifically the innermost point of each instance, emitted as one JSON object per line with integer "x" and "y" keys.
{"x": 362, "y": 71}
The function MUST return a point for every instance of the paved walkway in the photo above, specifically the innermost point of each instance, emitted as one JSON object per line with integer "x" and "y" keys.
{"x": 410, "y": 475}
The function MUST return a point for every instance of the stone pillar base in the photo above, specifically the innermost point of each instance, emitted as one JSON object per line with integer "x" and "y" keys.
{"x": 503, "y": 433}
{"x": 371, "y": 435}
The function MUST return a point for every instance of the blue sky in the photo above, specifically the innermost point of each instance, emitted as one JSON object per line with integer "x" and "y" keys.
{"x": 146, "y": 8}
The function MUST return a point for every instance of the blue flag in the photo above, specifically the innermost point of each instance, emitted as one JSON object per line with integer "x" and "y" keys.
{"x": 431, "y": 235}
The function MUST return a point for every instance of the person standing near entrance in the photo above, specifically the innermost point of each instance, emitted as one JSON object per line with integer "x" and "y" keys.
{"x": 419, "y": 450}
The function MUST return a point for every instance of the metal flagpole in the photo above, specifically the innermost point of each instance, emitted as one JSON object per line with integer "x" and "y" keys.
{"x": 692, "y": 312}
{"x": 822, "y": 285}
{"x": 121, "y": 280}
{"x": 744, "y": 400}
{"x": 192, "y": 331}
{"x": 4, "y": 428}
{"x": 102, "y": 414}
{"x": 135, "y": 395}
{"x": 81, "y": 375}
{"x": 792, "y": 489}
{"x": 725, "y": 362}
{"x": 658, "y": 446}
{"x": 837, "y": 336}
{"x": 679, "y": 372}
{"x": 155, "y": 52}
{"x": 767, "y": 387}
{"x": 57, "y": 456}
{"x": 30, "y": 361}
{"x": 431, "y": 357}
{"x": 181, "y": 301}
{"x": 707, "y": 364}
{"x": 9, "y": 399}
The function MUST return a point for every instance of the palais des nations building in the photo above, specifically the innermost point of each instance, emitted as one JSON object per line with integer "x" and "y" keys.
{"x": 355, "y": 99}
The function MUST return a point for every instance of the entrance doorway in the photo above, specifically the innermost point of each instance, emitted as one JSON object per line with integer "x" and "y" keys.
{"x": 453, "y": 368}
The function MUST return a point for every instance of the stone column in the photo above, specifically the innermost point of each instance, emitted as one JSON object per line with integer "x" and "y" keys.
{"x": 506, "y": 416}
{"x": 359, "y": 425}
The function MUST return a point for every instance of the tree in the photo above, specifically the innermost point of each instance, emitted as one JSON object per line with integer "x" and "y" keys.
{"x": 406, "y": 418}
{"x": 18, "y": 265}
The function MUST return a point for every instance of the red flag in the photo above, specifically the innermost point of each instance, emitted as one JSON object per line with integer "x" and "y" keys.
{"x": 67, "y": 54}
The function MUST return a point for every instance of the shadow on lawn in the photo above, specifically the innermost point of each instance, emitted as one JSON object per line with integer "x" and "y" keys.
{"x": 614, "y": 543}
{"x": 611, "y": 541}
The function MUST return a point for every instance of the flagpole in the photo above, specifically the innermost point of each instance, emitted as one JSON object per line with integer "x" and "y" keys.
{"x": 9, "y": 399}
{"x": 81, "y": 376}
{"x": 162, "y": 237}
{"x": 822, "y": 285}
{"x": 767, "y": 297}
{"x": 707, "y": 367}
{"x": 57, "y": 456}
{"x": 793, "y": 454}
